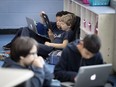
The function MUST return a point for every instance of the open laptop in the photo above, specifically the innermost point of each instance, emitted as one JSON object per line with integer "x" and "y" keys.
{"x": 32, "y": 26}
{"x": 91, "y": 76}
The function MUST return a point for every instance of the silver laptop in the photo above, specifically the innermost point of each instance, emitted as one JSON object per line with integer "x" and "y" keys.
{"x": 93, "y": 76}
{"x": 31, "y": 24}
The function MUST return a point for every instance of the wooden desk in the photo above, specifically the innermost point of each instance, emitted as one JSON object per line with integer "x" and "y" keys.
{"x": 13, "y": 77}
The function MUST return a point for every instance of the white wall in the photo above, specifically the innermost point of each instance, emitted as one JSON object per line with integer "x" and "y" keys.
{"x": 13, "y": 12}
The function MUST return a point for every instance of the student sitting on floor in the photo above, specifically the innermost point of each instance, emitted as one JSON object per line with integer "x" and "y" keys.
{"x": 61, "y": 40}
{"x": 78, "y": 53}
{"x": 27, "y": 32}
{"x": 58, "y": 41}
{"x": 24, "y": 56}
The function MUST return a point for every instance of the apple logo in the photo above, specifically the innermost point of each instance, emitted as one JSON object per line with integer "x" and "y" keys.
{"x": 93, "y": 77}
{"x": 31, "y": 26}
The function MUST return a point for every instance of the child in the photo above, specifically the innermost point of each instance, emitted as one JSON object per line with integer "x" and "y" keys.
{"x": 77, "y": 54}
{"x": 24, "y": 56}
{"x": 61, "y": 40}
{"x": 25, "y": 31}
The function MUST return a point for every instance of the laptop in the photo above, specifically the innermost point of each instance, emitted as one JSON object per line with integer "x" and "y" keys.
{"x": 32, "y": 26}
{"x": 93, "y": 76}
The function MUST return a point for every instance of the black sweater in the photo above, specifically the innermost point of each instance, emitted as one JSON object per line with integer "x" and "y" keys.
{"x": 71, "y": 60}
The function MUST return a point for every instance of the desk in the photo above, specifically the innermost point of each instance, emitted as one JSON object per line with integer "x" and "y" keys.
{"x": 13, "y": 77}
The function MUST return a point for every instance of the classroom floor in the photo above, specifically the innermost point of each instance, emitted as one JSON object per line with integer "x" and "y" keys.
{"x": 4, "y": 39}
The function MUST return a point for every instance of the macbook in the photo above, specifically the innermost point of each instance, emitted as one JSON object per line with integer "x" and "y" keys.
{"x": 93, "y": 76}
{"x": 31, "y": 24}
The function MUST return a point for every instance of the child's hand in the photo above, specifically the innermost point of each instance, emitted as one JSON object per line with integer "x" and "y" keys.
{"x": 38, "y": 62}
{"x": 48, "y": 43}
{"x": 75, "y": 79}
{"x": 42, "y": 13}
{"x": 42, "y": 19}
{"x": 50, "y": 33}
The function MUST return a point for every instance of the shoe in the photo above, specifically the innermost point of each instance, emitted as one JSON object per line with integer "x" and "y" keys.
{"x": 7, "y": 47}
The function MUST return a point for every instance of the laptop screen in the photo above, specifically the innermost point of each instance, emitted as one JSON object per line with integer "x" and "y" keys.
{"x": 31, "y": 24}
{"x": 92, "y": 76}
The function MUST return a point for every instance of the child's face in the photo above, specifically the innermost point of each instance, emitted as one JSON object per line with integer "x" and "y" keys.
{"x": 86, "y": 54}
{"x": 64, "y": 26}
{"x": 58, "y": 22}
{"x": 28, "y": 60}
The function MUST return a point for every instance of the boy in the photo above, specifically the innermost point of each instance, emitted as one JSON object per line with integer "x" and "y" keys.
{"x": 61, "y": 40}
{"x": 24, "y": 56}
{"x": 27, "y": 32}
{"x": 76, "y": 54}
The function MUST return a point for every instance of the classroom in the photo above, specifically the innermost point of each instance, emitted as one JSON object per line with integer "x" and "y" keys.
{"x": 57, "y": 43}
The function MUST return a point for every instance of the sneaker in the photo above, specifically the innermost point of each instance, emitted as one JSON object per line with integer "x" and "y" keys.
{"x": 7, "y": 47}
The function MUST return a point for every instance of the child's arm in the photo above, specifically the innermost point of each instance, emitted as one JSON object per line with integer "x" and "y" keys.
{"x": 58, "y": 45}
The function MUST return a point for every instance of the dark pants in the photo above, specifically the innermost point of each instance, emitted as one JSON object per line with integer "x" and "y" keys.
{"x": 21, "y": 32}
{"x": 43, "y": 50}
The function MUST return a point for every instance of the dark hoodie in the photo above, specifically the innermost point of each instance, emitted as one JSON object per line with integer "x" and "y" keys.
{"x": 71, "y": 60}
{"x": 41, "y": 78}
